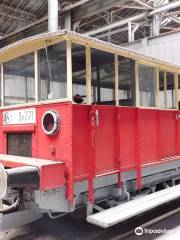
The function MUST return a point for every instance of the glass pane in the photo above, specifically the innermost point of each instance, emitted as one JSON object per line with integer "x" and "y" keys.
{"x": 126, "y": 81}
{"x": 19, "y": 83}
{"x": 170, "y": 90}
{"x": 147, "y": 86}
{"x": 53, "y": 73}
{"x": 79, "y": 73}
{"x": 179, "y": 91}
{"x": 103, "y": 77}
{"x": 161, "y": 89}
{"x": 0, "y": 86}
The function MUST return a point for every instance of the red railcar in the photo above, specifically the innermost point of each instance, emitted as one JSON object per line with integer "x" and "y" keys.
{"x": 84, "y": 123}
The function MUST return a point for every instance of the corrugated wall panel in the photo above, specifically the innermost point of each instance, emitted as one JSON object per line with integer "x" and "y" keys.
{"x": 165, "y": 47}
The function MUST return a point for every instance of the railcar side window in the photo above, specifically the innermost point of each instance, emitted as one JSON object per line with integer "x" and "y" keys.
{"x": 147, "y": 86}
{"x": 19, "y": 83}
{"x": 170, "y": 90}
{"x": 162, "y": 81}
{"x": 1, "y": 78}
{"x": 179, "y": 91}
{"x": 126, "y": 81}
{"x": 53, "y": 72}
{"x": 166, "y": 90}
{"x": 79, "y": 73}
{"x": 103, "y": 77}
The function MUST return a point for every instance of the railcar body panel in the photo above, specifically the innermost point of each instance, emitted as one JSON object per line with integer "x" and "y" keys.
{"x": 156, "y": 134}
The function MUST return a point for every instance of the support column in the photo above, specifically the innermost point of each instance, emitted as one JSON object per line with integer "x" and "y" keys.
{"x": 88, "y": 76}
{"x": 129, "y": 32}
{"x": 69, "y": 70}
{"x": 68, "y": 21}
{"x": 37, "y": 78}
{"x": 116, "y": 61}
{"x": 156, "y": 25}
{"x": 2, "y": 85}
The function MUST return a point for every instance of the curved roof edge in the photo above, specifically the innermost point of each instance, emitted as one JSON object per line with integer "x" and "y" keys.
{"x": 131, "y": 53}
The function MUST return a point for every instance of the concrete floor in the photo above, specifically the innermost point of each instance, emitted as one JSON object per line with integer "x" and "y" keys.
{"x": 172, "y": 224}
{"x": 75, "y": 227}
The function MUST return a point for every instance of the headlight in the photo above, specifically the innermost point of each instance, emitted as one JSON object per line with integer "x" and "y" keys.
{"x": 51, "y": 122}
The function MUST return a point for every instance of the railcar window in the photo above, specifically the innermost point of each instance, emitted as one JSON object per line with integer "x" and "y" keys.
{"x": 179, "y": 91}
{"x": 162, "y": 99}
{"x": 1, "y": 77}
{"x": 147, "y": 86}
{"x": 166, "y": 90}
{"x": 126, "y": 81}
{"x": 79, "y": 73}
{"x": 19, "y": 83}
{"x": 53, "y": 73}
{"x": 103, "y": 77}
{"x": 170, "y": 90}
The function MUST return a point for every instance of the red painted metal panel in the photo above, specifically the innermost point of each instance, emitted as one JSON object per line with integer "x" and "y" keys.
{"x": 167, "y": 135}
{"x": 21, "y": 128}
{"x": 91, "y": 152}
{"x": 117, "y": 140}
{"x": 117, "y": 145}
{"x": 105, "y": 156}
{"x": 151, "y": 129}
{"x": 127, "y": 137}
{"x": 81, "y": 121}
{"x": 52, "y": 174}
{"x": 148, "y": 135}
{"x": 42, "y": 144}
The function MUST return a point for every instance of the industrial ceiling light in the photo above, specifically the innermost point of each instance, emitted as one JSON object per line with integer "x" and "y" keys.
{"x": 51, "y": 122}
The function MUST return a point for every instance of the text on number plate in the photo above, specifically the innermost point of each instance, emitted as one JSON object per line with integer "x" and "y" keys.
{"x": 22, "y": 116}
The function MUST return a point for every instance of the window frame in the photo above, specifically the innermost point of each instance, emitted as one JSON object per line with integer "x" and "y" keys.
{"x": 37, "y": 77}
{"x": 88, "y": 46}
{"x": 138, "y": 86}
{"x": 175, "y": 74}
{"x": 157, "y": 92}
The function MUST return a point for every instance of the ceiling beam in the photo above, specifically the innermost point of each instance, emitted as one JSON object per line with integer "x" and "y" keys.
{"x": 147, "y": 6}
{"x": 132, "y": 7}
{"x": 86, "y": 8}
{"x": 16, "y": 17}
{"x": 117, "y": 24}
{"x": 16, "y": 12}
{"x": 94, "y": 7}
{"x": 112, "y": 32}
{"x": 175, "y": 13}
{"x": 154, "y": 11}
{"x": 75, "y": 5}
{"x": 165, "y": 7}
{"x": 175, "y": 19}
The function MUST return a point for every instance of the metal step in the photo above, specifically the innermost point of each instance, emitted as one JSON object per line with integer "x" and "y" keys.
{"x": 114, "y": 215}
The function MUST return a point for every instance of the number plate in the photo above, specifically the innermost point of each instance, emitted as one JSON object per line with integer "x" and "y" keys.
{"x": 23, "y": 116}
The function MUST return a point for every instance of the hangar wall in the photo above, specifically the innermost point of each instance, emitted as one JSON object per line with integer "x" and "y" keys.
{"x": 165, "y": 47}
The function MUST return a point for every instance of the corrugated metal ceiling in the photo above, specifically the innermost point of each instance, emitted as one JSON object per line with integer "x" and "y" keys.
{"x": 17, "y": 14}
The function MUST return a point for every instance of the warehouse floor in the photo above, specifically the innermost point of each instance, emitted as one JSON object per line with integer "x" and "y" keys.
{"x": 75, "y": 227}
{"x": 66, "y": 228}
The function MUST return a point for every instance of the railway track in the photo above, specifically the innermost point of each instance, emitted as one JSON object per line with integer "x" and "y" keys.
{"x": 71, "y": 227}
